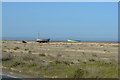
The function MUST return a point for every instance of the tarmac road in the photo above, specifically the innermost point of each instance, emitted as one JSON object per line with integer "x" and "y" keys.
{"x": 12, "y": 75}
{"x": 8, "y": 77}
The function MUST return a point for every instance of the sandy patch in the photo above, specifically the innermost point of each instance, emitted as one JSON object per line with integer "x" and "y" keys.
{"x": 93, "y": 51}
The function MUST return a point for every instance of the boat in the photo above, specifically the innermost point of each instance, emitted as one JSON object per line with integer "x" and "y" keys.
{"x": 42, "y": 40}
{"x": 73, "y": 40}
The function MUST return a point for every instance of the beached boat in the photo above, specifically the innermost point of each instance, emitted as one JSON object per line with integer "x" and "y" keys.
{"x": 73, "y": 40}
{"x": 42, "y": 40}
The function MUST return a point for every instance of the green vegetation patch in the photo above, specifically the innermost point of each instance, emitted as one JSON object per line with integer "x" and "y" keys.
{"x": 16, "y": 48}
{"x": 42, "y": 55}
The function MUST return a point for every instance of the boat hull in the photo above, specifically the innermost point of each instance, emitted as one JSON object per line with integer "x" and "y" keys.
{"x": 73, "y": 41}
{"x": 42, "y": 40}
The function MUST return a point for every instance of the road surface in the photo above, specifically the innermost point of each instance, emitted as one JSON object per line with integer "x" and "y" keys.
{"x": 12, "y": 75}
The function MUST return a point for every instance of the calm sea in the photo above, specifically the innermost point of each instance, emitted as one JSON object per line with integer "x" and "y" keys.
{"x": 52, "y": 39}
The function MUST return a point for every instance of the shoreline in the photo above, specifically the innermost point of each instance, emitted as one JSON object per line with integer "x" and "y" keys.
{"x": 70, "y": 42}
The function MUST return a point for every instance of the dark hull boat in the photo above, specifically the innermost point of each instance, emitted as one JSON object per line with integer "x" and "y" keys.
{"x": 42, "y": 40}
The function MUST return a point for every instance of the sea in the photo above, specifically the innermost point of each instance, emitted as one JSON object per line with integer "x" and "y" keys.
{"x": 53, "y": 39}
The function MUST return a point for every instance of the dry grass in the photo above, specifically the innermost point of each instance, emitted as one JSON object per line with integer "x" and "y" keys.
{"x": 62, "y": 59}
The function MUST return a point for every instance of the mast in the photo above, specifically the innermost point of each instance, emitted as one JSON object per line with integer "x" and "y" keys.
{"x": 38, "y": 35}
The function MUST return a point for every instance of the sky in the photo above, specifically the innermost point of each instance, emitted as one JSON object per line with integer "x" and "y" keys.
{"x": 60, "y": 0}
{"x": 0, "y": 21}
{"x": 85, "y": 21}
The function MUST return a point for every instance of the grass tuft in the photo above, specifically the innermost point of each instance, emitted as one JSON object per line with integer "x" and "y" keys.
{"x": 42, "y": 55}
{"x": 91, "y": 60}
{"x": 16, "y": 48}
{"x": 79, "y": 73}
